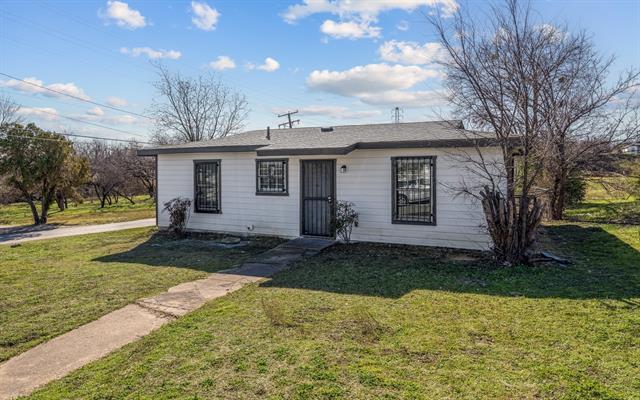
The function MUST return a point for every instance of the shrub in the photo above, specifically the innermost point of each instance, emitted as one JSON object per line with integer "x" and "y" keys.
{"x": 345, "y": 219}
{"x": 179, "y": 210}
{"x": 576, "y": 189}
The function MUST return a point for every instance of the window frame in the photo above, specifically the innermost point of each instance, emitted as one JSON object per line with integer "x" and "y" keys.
{"x": 219, "y": 186}
{"x": 433, "y": 193}
{"x": 286, "y": 177}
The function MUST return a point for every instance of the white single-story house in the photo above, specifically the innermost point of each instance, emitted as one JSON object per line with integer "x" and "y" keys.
{"x": 285, "y": 182}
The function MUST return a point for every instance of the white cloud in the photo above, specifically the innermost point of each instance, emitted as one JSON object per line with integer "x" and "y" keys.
{"x": 151, "y": 53}
{"x": 120, "y": 119}
{"x": 108, "y": 119}
{"x": 269, "y": 65}
{"x": 380, "y": 84}
{"x": 204, "y": 17}
{"x": 403, "y": 26}
{"x": 350, "y": 30}
{"x": 97, "y": 111}
{"x": 116, "y": 101}
{"x": 33, "y": 86}
{"x": 369, "y": 78}
{"x": 411, "y": 52}
{"x": 44, "y": 113}
{"x": 119, "y": 13}
{"x": 337, "y": 112}
{"x": 401, "y": 98}
{"x": 364, "y": 9}
{"x": 222, "y": 62}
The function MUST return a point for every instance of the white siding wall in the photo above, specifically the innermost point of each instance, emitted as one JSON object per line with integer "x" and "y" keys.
{"x": 367, "y": 183}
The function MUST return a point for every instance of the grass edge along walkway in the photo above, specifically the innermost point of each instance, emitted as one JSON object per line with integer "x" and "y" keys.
{"x": 56, "y": 358}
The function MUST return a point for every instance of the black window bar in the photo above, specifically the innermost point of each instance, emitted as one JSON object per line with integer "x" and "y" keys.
{"x": 272, "y": 177}
{"x": 207, "y": 186}
{"x": 413, "y": 190}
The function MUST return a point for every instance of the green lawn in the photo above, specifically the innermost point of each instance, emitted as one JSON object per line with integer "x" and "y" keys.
{"x": 52, "y": 286}
{"x": 86, "y": 213}
{"x": 606, "y": 204}
{"x": 376, "y": 321}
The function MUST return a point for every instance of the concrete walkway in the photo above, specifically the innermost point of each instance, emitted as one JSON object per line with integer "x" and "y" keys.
{"x": 19, "y": 234}
{"x": 56, "y": 358}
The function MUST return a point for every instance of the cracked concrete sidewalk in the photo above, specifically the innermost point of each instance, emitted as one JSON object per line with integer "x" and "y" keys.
{"x": 56, "y": 358}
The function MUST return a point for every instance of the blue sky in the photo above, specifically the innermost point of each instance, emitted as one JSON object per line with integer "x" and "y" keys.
{"x": 338, "y": 62}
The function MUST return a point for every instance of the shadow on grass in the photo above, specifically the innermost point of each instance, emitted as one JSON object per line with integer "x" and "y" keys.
{"x": 199, "y": 252}
{"x": 604, "y": 267}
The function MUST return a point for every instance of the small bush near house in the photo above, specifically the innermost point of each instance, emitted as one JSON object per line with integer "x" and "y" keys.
{"x": 346, "y": 218}
{"x": 179, "y": 210}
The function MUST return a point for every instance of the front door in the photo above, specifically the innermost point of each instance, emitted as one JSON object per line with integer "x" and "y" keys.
{"x": 317, "y": 195}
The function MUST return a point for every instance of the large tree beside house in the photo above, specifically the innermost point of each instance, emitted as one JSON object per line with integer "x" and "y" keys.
{"x": 39, "y": 165}
{"x": 542, "y": 91}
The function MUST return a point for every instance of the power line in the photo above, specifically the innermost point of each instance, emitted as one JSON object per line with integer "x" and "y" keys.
{"x": 87, "y": 122}
{"x": 268, "y": 97}
{"x": 103, "y": 138}
{"x": 290, "y": 122}
{"x": 74, "y": 135}
{"x": 76, "y": 97}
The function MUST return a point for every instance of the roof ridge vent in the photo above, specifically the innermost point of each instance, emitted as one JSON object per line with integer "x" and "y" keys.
{"x": 326, "y": 129}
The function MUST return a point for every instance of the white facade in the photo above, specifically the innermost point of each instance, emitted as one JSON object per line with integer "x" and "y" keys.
{"x": 366, "y": 183}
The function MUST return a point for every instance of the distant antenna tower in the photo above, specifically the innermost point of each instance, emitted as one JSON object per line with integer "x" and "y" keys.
{"x": 397, "y": 115}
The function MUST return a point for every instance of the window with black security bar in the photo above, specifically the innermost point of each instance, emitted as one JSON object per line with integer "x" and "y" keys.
{"x": 207, "y": 186}
{"x": 272, "y": 177}
{"x": 413, "y": 190}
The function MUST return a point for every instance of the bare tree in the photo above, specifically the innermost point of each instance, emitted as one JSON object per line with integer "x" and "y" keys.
{"x": 586, "y": 118}
{"x": 106, "y": 173}
{"x": 495, "y": 71}
{"x": 9, "y": 111}
{"x": 117, "y": 172}
{"x": 142, "y": 169}
{"x": 193, "y": 109}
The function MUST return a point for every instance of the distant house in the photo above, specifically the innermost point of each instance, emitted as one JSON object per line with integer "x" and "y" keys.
{"x": 285, "y": 182}
{"x": 633, "y": 149}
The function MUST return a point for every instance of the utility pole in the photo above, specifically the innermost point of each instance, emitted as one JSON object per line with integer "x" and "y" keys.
{"x": 290, "y": 122}
{"x": 397, "y": 114}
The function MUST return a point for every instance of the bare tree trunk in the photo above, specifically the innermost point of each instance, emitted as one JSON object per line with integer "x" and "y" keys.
{"x": 511, "y": 240}
{"x": 129, "y": 198}
{"x": 47, "y": 198}
{"x": 34, "y": 210}
{"x": 61, "y": 201}
{"x": 558, "y": 197}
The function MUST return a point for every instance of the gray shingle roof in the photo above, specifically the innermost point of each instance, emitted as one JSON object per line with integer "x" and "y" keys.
{"x": 341, "y": 140}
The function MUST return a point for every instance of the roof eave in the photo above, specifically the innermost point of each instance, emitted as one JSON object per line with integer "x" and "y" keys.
{"x": 199, "y": 149}
{"x": 263, "y": 150}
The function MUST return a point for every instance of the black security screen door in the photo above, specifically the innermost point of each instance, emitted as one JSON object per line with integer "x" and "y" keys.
{"x": 318, "y": 194}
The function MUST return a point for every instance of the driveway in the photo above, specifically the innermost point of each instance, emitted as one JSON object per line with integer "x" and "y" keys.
{"x": 19, "y": 234}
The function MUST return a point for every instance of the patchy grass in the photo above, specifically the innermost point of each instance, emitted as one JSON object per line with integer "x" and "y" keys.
{"x": 86, "y": 213}
{"x": 606, "y": 211}
{"x": 606, "y": 203}
{"x": 52, "y": 286}
{"x": 375, "y": 321}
